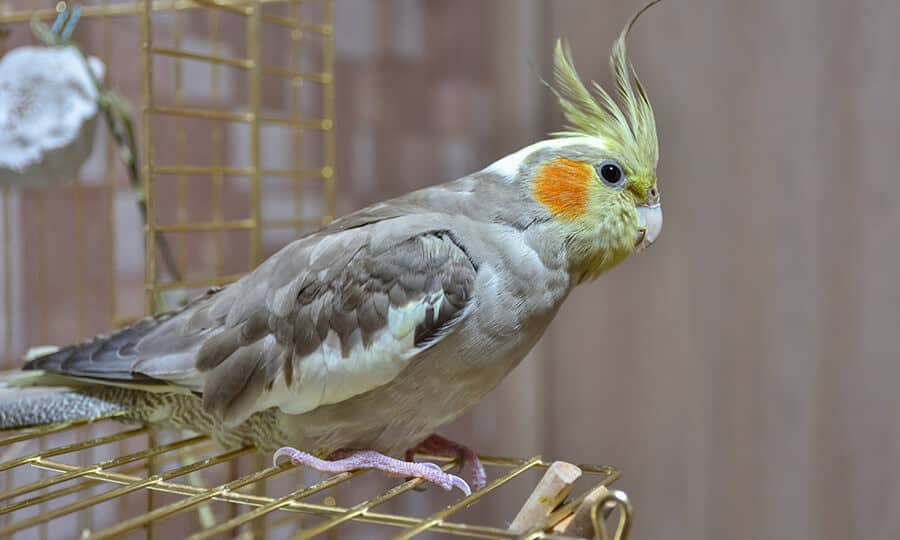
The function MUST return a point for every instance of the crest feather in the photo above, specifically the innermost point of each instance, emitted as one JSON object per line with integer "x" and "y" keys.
{"x": 627, "y": 124}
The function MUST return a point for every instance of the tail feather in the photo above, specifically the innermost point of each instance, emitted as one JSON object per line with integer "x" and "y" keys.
{"x": 104, "y": 356}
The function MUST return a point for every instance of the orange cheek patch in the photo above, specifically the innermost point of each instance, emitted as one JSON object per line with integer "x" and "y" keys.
{"x": 562, "y": 186}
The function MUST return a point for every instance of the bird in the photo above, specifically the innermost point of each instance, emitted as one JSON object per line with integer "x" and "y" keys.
{"x": 351, "y": 346}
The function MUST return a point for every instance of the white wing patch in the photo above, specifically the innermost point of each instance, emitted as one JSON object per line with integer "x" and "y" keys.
{"x": 326, "y": 377}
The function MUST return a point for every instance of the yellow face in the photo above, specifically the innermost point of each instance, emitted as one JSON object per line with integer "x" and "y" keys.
{"x": 603, "y": 197}
{"x": 606, "y": 209}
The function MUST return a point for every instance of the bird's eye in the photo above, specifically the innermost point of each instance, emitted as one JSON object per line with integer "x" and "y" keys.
{"x": 611, "y": 173}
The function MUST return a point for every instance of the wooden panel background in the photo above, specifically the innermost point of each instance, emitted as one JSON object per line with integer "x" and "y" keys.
{"x": 743, "y": 373}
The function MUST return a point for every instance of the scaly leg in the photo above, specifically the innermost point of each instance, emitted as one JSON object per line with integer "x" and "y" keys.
{"x": 366, "y": 459}
{"x": 439, "y": 446}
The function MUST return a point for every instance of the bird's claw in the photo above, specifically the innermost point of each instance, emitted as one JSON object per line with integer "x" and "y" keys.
{"x": 461, "y": 484}
{"x": 447, "y": 481}
{"x": 440, "y": 446}
{"x": 285, "y": 451}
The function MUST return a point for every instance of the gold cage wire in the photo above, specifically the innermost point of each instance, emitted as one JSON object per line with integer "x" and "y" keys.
{"x": 88, "y": 479}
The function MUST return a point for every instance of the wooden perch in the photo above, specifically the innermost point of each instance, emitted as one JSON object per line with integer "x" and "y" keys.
{"x": 554, "y": 486}
{"x": 579, "y": 524}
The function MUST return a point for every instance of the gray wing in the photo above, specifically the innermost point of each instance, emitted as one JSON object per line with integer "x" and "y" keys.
{"x": 328, "y": 317}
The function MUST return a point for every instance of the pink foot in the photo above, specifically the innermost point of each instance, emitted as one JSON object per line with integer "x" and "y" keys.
{"x": 373, "y": 460}
{"x": 439, "y": 446}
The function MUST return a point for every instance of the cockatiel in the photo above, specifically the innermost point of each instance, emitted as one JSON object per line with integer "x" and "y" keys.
{"x": 355, "y": 343}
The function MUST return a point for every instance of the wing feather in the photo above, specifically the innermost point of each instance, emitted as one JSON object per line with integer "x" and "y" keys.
{"x": 332, "y": 315}
{"x": 352, "y": 327}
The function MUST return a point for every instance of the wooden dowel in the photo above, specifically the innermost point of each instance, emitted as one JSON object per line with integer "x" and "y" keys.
{"x": 580, "y": 524}
{"x": 553, "y": 487}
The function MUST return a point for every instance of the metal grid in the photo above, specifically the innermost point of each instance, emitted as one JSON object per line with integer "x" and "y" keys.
{"x": 255, "y": 20}
{"x": 86, "y": 467}
{"x": 311, "y": 170}
{"x": 251, "y": 114}
{"x": 69, "y": 489}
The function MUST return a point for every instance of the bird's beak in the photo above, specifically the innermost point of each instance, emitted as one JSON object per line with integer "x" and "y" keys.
{"x": 649, "y": 225}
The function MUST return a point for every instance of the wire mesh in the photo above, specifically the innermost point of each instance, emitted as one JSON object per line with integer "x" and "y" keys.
{"x": 69, "y": 489}
{"x": 257, "y": 121}
{"x": 235, "y": 103}
{"x": 190, "y": 99}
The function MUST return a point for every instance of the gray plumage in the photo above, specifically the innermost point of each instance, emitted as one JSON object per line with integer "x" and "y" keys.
{"x": 368, "y": 334}
{"x": 244, "y": 351}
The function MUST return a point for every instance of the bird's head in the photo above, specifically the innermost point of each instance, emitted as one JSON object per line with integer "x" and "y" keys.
{"x": 595, "y": 183}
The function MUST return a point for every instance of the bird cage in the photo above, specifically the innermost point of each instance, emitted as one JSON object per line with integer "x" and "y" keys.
{"x": 225, "y": 153}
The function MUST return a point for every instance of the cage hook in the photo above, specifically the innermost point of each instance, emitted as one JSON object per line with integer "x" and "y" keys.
{"x": 612, "y": 499}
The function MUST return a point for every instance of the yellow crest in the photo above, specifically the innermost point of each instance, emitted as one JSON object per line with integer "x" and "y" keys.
{"x": 626, "y": 125}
